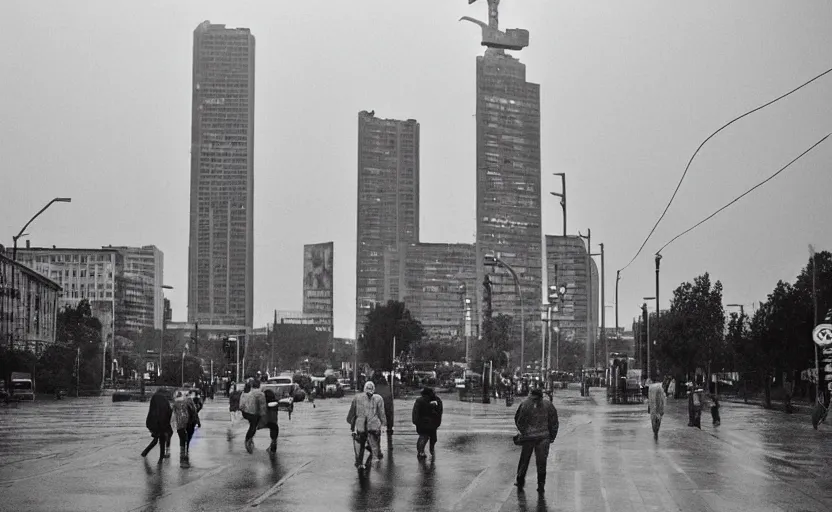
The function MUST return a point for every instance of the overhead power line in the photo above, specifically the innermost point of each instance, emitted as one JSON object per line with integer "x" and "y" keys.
{"x": 709, "y": 217}
{"x": 687, "y": 167}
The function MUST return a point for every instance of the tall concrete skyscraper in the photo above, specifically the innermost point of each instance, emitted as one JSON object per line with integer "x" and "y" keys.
{"x": 508, "y": 174}
{"x": 221, "y": 247}
{"x": 388, "y": 201}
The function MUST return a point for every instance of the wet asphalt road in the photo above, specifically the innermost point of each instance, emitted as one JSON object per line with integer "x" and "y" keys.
{"x": 84, "y": 455}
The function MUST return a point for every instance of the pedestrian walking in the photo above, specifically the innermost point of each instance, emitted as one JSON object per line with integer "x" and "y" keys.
{"x": 366, "y": 418}
{"x": 269, "y": 419}
{"x": 715, "y": 409}
{"x": 655, "y": 406}
{"x": 383, "y": 390}
{"x": 671, "y": 389}
{"x": 696, "y": 407}
{"x": 233, "y": 403}
{"x": 158, "y": 423}
{"x": 253, "y": 405}
{"x": 427, "y": 416}
{"x": 537, "y": 421}
{"x": 187, "y": 420}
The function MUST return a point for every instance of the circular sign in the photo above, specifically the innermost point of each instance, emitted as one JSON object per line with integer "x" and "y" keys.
{"x": 822, "y": 335}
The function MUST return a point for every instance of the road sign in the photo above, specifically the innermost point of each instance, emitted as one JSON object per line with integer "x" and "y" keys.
{"x": 822, "y": 335}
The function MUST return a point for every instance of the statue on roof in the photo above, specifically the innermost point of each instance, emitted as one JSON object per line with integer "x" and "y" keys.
{"x": 492, "y": 37}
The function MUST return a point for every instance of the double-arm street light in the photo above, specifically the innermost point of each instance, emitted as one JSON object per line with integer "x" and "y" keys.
{"x": 493, "y": 260}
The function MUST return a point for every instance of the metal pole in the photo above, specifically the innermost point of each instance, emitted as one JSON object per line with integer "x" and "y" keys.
{"x": 648, "y": 342}
{"x": 237, "y": 366}
{"x": 818, "y": 393}
{"x": 658, "y": 307}
{"x": 182, "y": 374}
{"x": 617, "y": 278}
{"x": 603, "y": 311}
{"x": 393, "y": 368}
{"x": 103, "y": 365}
{"x": 557, "y": 348}
{"x": 549, "y": 333}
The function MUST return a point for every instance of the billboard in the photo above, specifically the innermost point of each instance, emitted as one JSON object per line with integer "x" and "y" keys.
{"x": 317, "y": 283}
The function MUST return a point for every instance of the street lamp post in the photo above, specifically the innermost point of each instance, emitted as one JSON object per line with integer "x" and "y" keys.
{"x": 16, "y": 237}
{"x": 590, "y": 331}
{"x": 14, "y": 258}
{"x": 493, "y": 260}
{"x": 649, "y": 342}
{"x": 562, "y": 198}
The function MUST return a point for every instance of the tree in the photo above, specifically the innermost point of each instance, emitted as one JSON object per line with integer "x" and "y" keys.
{"x": 496, "y": 341}
{"x": 76, "y": 329}
{"x": 438, "y": 351}
{"x": 691, "y": 333}
{"x": 172, "y": 365}
{"x": 383, "y": 324}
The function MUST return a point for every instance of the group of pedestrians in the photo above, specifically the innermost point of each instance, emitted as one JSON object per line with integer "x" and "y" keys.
{"x": 657, "y": 394}
{"x": 163, "y": 419}
{"x": 536, "y": 420}
{"x": 259, "y": 408}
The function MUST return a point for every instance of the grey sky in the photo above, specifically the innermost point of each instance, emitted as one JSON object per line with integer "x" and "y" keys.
{"x": 96, "y": 96}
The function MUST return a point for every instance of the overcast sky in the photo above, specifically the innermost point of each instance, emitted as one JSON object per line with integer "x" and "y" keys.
{"x": 96, "y": 105}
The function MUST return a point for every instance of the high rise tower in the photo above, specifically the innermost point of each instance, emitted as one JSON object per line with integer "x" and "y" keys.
{"x": 221, "y": 246}
{"x": 508, "y": 174}
{"x": 388, "y": 201}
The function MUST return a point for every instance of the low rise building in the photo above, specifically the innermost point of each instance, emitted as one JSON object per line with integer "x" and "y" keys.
{"x": 28, "y": 307}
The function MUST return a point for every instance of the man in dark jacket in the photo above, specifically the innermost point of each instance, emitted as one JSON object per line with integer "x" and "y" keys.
{"x": 537, "y": 421}
{"x": 158, "y": 423}
{"x": 383, "y": 389}
{"x": 427, "y": 416}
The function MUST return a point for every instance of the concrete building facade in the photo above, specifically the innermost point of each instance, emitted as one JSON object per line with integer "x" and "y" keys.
{"x": 566, "y": 264}
{"x": 434, "y": 280}
{"x": 388, "y": 201}
{"x": 221, "y": 244}
{"x": 140, "y": 292}
{"x": 508, "y": 185}
{"x": 91, "y": 274}
{"x": 28, "y": 307}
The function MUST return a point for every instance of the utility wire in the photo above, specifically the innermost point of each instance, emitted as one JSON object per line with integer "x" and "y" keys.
{"x": 709, "y": 217}
{"x": 687, "y": 167}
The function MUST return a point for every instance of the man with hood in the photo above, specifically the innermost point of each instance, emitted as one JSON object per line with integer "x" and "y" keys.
{"x": 366, "y": 419}
{"x": 655, "y": 406}
{"x": 427, "y": 416}
{"x": 537, "y": 421}
{"x": 158, "y": 423}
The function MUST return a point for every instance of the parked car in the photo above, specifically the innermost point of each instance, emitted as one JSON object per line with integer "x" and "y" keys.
{"x": 345, "y": 384}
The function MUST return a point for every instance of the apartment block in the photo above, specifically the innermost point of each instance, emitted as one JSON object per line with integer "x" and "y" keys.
{"x": 221, "y": 243}
{"x": 437, "y": 282}
{"x": 388, "y": 200}
{"x": 91, "y": 274}
{"x": 508, "y": 183}
{"x": 567, "y": 264}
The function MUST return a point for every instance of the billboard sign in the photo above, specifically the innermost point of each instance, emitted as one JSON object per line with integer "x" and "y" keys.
{"x": 318, "y": 283}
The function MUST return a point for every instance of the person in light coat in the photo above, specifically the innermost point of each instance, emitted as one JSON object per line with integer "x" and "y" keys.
{"x": 367, "y": 419}
{"x": 655, "y": 405}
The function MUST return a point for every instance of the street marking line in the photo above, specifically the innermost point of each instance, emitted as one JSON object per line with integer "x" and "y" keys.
{"x": 469, "y": 489}
{"x": 578, "y": 505}
{"x": 503, "y": 499}
{"x": 273, "y": 489}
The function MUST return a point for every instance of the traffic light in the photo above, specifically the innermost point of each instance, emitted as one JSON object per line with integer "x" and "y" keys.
{"x": 486, "y": 297}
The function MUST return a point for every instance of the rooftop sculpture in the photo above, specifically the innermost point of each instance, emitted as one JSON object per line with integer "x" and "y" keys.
{"x": 492, "y": 37}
